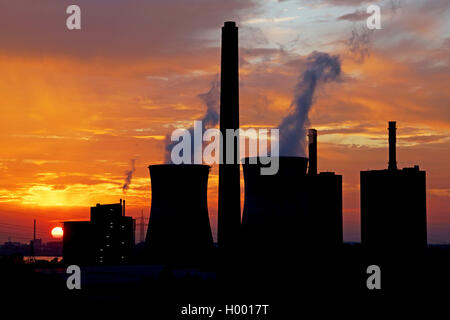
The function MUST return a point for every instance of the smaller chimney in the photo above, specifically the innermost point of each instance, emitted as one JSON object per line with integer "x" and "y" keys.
{"x": 392, "y": 146}
{"x": 312, "y": 147}
{"x": 123, "y": 208}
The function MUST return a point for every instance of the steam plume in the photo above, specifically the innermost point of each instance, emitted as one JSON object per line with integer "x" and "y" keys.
{"x": 320, "y": 68}
{"x": 210, "y": 119}
{"x": 358, "y": 44}
{"x": 129, "y": 176}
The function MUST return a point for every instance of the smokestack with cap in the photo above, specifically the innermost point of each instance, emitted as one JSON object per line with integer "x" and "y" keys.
{"x": 312, "y": 137}
{"x": 229, "y": 204}
{"x": 392, "y": 146}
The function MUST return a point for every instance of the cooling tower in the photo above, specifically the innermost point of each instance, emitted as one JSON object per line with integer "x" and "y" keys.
{"x": 274, "y": 204}
{"x": 291, "y": 209}
{"x": 179, "y": 222}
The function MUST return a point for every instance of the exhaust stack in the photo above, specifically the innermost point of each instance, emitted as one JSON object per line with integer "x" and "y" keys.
{"x": 392, "y": 146}
{"x": 312, "y": 136}
{"x": 229, "y": 204}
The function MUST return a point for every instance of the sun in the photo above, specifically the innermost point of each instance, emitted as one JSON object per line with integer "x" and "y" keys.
{"x": 57, "y": 232}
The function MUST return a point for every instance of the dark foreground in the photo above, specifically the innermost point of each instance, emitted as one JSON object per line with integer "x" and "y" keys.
{"x": 290, "y": 284}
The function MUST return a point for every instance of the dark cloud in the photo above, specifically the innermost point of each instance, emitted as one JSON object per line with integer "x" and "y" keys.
{"x": 425, "y": 138}
{"x": 115, "y": 28}
{"x": 358, "y": 15}
{"x": 349, "y": 3}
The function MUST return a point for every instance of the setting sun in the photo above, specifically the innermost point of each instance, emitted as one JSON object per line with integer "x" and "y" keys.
{"x": 57, "y": 232}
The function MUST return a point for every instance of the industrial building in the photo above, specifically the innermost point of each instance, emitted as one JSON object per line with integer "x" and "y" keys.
{"x": 393, "y": 205}
{"x": 324, "y": 202}
{"x": 108, "y": 238}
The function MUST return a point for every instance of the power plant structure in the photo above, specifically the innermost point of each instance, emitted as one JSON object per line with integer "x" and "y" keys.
{"x": 324, "y": 202}
{"x": 393, "y": 205}
{"x": 108, "y": 238}
{"x": 179, "y": 221}
{"x": 274, "y": 205}
{"x": 292, "y": 208}
{"x": 297, "y": 208}
{"x": 229, "y": 203}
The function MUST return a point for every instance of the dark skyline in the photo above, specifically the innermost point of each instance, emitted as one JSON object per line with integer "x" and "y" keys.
{"x": 127, "y": 88}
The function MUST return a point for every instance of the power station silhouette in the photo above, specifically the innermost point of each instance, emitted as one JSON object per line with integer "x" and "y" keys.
{"x": 393, "y": 205}
{"x": 298, "y": 208}
{"x": 287, "y": 252}
{"x": 295, "y": 208}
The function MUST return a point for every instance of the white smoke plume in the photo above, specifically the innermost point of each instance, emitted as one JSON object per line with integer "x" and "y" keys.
{"x": 210, "y": 119}
{"x": 320, "y": 68}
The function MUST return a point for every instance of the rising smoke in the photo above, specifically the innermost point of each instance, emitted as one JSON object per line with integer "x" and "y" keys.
{"x": 320, "y": 68}
{"x": 128, "y": 176}
{"x": 359, "y": 43}
{"x": 210, "y": 119}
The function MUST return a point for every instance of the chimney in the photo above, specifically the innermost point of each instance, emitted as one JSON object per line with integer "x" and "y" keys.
{"x": 392, "y": 146}
{"x": 229, "y": 204}
{"x": 123, "y": 208}
{"x": 312, "y": 147}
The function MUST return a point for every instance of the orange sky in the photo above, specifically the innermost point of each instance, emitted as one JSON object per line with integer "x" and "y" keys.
{"x": 77, "y": 106}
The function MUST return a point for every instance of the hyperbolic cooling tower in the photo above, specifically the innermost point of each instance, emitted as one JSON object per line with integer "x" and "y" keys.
{"x": 179, "y": 219}
{"x": 274, "y": 204}
{"x": 292, "y": 209}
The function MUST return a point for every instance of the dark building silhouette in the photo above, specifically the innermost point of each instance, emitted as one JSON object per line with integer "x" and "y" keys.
{"x": 393, "y": 205}
{"x": 179, "y": 222}
{"x": 324, "y": 205}
{"x": 229, "y": 205}
{"x": 113, "y": 233}
{"x": 274, "y": 204}
{"x": 292, "y": 208}
{"x": 108, "y": 238}
{"x": 324, "y": 210}
{"x": 77, "y": 242}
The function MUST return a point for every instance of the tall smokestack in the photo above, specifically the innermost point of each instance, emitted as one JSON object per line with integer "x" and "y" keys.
{"x": 229, "y": 206}
{"x": 123, "y": 208}
{"x": 312, "y": 137}
{"x": 392, "y": 146}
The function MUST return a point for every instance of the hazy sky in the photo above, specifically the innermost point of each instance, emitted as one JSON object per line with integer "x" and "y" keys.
{"x": 78, "y": 106}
